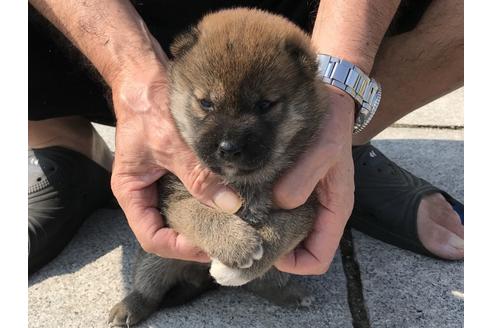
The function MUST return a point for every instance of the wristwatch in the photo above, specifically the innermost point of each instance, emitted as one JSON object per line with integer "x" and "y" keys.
{"x": 349, "y": 78}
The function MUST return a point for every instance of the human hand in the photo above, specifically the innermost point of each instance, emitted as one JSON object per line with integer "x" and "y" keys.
{"x": 327, "y": 166}
{"x": 148, "y": 146}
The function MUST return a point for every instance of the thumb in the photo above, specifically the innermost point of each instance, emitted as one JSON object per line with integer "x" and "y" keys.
{"x": 295, "y": 187}
{"x": 204, "y": 185}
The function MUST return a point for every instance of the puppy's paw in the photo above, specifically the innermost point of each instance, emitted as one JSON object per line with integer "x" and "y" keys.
{"x": 121, "y": 316}
{"x": 248, "y": 262}
{"x": 131, "y": 310}
{"x": 227, "y": 276}
{"x": 293, "y": 296}
{"x": 240, "y": 249}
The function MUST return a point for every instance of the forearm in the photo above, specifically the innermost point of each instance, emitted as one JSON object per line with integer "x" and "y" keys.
{"x": 353, "y": 29}
{"x": 110, "y": 33}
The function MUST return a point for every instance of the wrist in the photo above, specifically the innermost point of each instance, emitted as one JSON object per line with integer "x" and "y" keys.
{"x": 342, "y": 109}
{"x": 141, "y": 90}
{"x": 365, "y": 91}
{"x": 364, "y": 60}
{"x": 342, "y": 102}
{"x": 128, "y": 62}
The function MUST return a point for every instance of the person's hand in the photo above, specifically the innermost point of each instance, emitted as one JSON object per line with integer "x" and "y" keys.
{"x": 327, "y": 166}
{"x": 147, "y": 147}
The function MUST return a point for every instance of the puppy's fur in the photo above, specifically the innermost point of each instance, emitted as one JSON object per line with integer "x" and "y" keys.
{"x": 246, "y": 98}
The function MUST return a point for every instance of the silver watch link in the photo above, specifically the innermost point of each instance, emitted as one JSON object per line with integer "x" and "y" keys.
{"x": 349, "y": 78}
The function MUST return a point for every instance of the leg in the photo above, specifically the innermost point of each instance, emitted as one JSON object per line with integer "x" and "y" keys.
{"x": 283, "y": 231}
{"x": 69, "y": 178}
{"x": 276, "y": 287}
{"x": 414, "y": 69}
{"x": 419, "y": 66}
{"x": 225, "y": 237}
{"x": 69, "y": 163}
{"x": 73, "y": 132}
{"x": 154, "y": 278}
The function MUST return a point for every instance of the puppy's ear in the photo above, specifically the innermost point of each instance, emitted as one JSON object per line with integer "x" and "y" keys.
{"x": 300, "y": 51}
{"x": 184, "y": 42}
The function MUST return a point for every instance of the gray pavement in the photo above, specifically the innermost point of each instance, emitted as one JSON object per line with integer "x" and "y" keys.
{"x": 93, "y": 273}
{"x": 444, "y": 112}
{"x": 400, "y": 289}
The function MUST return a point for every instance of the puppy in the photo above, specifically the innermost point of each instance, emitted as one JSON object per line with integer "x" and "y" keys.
{"x": 247, "y": 100}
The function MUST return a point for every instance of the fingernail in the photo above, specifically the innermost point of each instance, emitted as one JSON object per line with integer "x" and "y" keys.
{"x": 227, "y": 201}
{"x": 456, "y": 241}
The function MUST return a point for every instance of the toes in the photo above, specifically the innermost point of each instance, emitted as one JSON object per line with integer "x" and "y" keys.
{"x": 120, "y": 316}
{"x": 243, "y": 259}
{"x": 132, "y": 309}
{"x": 436, "y": 208}
{"x": 440, "y": 241}
{"x": 246, "y": 264}
{"x": 258, "y": 254}
{"x": 439, "y": 228}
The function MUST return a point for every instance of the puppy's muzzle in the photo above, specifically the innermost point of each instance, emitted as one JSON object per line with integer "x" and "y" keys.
{"x": 230, "y": 150}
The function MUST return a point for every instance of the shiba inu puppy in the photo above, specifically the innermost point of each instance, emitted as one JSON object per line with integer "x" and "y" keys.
{"x": 247, "y": 100}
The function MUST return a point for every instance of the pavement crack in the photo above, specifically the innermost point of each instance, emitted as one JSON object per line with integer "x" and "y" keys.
{"x": 355, "y": 295}
{"x": 428, "y": 126}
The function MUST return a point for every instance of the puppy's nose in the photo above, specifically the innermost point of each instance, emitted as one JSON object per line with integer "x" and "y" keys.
{"x": 229, "y": 149}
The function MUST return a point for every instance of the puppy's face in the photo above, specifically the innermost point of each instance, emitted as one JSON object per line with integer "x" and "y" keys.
{"x": 244, "y": 93}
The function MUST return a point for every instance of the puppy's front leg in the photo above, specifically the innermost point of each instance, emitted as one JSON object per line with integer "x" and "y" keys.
{"x": 225, "y": 237}
{"x": 280, "y": 232}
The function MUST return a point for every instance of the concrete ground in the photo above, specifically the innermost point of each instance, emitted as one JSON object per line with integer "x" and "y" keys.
{"x": 370, "y": 283}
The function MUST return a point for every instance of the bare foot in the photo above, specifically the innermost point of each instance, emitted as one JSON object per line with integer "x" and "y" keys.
{"x": 439, "y": 228}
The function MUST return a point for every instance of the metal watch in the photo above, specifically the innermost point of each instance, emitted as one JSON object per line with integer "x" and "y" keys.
{"x": 349, "y": 78}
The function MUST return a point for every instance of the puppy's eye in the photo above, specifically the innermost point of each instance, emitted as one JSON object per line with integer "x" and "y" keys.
{"x": 206, "y": 105}
{"x": 265, "y": 105}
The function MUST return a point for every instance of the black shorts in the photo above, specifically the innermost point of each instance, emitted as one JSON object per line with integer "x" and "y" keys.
{"x": 63, "y": 83}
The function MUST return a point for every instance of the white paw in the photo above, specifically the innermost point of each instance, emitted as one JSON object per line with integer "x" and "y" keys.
{"x": 225, "y": 275}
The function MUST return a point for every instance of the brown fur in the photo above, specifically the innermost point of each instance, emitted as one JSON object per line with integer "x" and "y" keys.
{"x": 235, "y": 59}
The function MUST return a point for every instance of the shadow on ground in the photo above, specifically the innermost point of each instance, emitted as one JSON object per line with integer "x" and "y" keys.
{"x": 104, "y": 231}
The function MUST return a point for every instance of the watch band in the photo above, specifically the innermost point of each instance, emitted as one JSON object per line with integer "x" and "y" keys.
{"x": 349, "y": 78}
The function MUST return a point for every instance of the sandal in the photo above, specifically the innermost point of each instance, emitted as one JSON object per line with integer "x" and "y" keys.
{"x": 387, "y": 198}
{"x": 65, "y": 187}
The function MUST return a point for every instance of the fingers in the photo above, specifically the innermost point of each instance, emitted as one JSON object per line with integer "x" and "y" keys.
{"x": 204, "y": 185}
{"x": 336, "y": 196}
{"x": 169, "y": 244}
{"x": 139, "y": 199}
{"x": 288, "y": 193}
{"x": 333, "y": 142}
{"x": 157, "y": 239}
{"x": 317, "y": 251}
